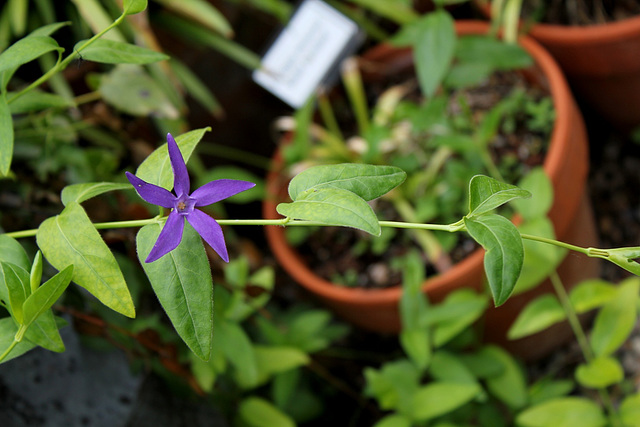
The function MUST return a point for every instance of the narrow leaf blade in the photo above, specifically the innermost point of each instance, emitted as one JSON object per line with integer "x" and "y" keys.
{"x": 78, "y": 193}
{"x": 504, "y": 252}
{"x": 71, "y": 238}
{"x": 183, "y": 284}
{"x": 6, "y": 136}
{"x": 113, "y": 52}
{"x": 46, "y": 295}
{"x": 333, "y": 206}
{"x": 367, "y": 181}
{"x": 486, "y": 194}
{"x": 26, "y": 50}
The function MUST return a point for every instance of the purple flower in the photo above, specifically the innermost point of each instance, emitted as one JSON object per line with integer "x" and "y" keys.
{"x": 184, "y": 204}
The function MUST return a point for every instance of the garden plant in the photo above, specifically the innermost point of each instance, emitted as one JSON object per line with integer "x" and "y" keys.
{"x": 437, "y": 379}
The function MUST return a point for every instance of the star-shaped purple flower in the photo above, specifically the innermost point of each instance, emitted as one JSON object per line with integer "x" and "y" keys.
{"x": 184, "y": 204}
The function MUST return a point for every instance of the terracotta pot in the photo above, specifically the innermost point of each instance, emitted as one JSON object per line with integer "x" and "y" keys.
{"x": 566, "y": 163}
{"x": 601, "y": 63}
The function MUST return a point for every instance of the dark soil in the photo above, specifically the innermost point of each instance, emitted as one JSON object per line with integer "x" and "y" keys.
{"x": 580, "y": 12}
{"x": 345, "y": 256}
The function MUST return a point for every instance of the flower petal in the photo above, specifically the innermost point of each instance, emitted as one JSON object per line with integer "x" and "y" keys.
{"x": 210, "y": 231}
{"x": 151, "y": 193}
{"x": 180, "y": 175}
{"x": 169, "y": 238}
{"x": 219, "y": 189}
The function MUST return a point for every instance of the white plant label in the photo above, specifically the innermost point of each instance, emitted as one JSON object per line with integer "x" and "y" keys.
{"x": 306, "y": 52}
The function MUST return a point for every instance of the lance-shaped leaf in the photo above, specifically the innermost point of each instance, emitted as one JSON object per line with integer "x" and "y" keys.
{"x": 114, "y": 52}
{"x": 14, "y": 282}
{"x": 564, "y": 411}
{"x": 26, "y": 50}
{"x": 367, "y": 181}
{"x": 46, "y": 295}
{"x": 183, "y": 284}
{"x": 80, "y": 192}
{"x": 131, "y": 7}
{"x": 486, "y": 194}
{"x": 333, "y": 206}
{"x": 70, "y": 238}
{"x": 6, "y": 136}
{"x": 504, "y": 252}
{"x": 156, "y": 168}
{"x": 13, "y": 252}
{"x": 37, "y": 100}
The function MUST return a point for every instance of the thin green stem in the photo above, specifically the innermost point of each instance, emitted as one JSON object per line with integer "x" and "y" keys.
{"x": 8, "y": 350}
{"x": 583, "y": 342}
{"x": 555, "y": 243}
{"x": 61, "y": 65}
{"x": 572, "y": 316}
{"x": 288, "y": 222}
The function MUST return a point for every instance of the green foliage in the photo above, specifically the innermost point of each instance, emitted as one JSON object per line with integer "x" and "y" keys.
{"x": 71, "y": 239}
{"x": 182, "y": 282}
{"x": 338, "y": 195}
{"x": 114, "y": 52}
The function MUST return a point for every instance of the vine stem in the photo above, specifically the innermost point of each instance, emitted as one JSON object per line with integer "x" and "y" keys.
{"x": 61, "y": 65}
{"x": 581, "y": 337}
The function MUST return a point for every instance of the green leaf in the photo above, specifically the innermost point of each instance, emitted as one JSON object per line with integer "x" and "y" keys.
{"x": 238, "y": 350}
{"x": 47, "y": 30}
{"x": 6, "y": 136}
{"x": 35, "y": 274}
{"x": 44, "y": 332}
{"x": 46, "y": 295}
{"x": 130, "y": 89}
{"x": 16, "y": 283}
{"x": 537, "y": 316}
{"x": 415, "y": 343}
{"x": 413, "y": 304}
{"x": 624, "y": 258}
{"x": 366, "y": 181}
{"x": 601, "y": 372}
{"x": 590, "y": 294}
{"x": 486, "y": 194}
{"x": 616, "y": 319}
{"x": 433, "y": 49}
{"x": 70, "y": 238}
{"x": 8, "y": 331}
{"x": 394, "y": 420}
{"x": 333, "y": 206}
{"x": 547, "y": 389}
{"x": 78, "y": 193}
{"x": 492, "y": 52}
{"x": 394, "y": 385}
{"x": 131, "y": 7}
{"x": 538, "y": 183}
{"x": 275, "y": 360}
{"x": 504, "y": 252}
{"x": 26, "y": 50}
{"x": 509, "y": 385}
{"x": 448, "y": 367}
{"x": 257, "y": 412}
{"x": 439, "y": 398}
{"x": 37, "y": 100}
{"x": 156, "y": 168}
{"x": 201, "y": 12}
{"x": 630, "y": 410}
{"x": 12, "y": 252}
{"x": 113, "y": 52}
{"x": 455, "y": 314}
{"x": 183, "y": 284}
{"x": 566, "y": 412}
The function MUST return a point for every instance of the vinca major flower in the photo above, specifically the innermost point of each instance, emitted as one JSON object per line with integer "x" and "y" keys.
{"x": 184, "y": 205}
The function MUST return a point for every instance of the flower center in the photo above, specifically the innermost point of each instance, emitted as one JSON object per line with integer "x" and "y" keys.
{"x": 184, "y": 205}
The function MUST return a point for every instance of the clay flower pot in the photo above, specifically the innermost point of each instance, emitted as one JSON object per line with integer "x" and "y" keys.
{"x": 601, "y": 63}
{"x": 566, "y": 163}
